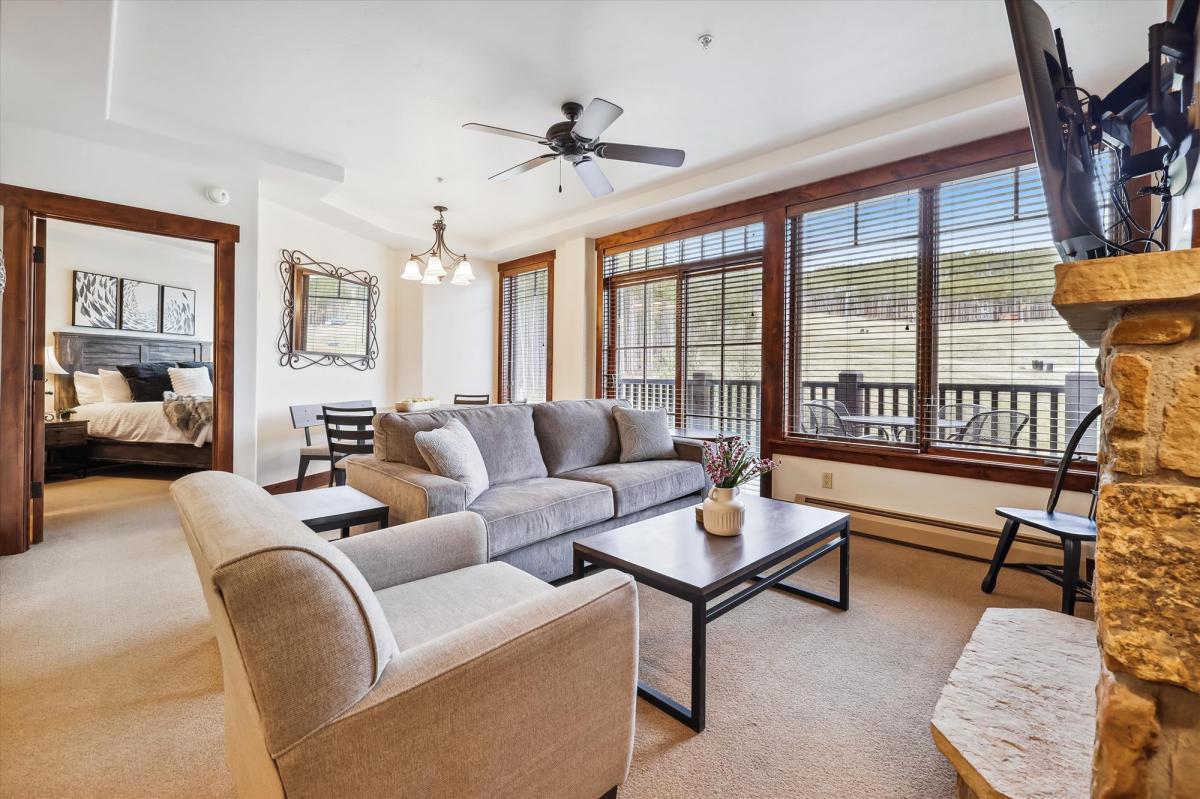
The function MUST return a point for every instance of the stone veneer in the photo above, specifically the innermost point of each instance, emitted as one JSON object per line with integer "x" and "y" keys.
{"x": 1143, "y": 311}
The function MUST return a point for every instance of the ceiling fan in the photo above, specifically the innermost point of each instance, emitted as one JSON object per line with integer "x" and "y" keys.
{"x": 578, "y": 141}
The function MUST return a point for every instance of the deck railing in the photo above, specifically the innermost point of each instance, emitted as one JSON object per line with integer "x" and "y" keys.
{"x": 734, "y": 406}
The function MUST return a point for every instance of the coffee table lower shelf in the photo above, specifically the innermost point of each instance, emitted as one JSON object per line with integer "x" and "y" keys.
{"x": 837, "y": 538}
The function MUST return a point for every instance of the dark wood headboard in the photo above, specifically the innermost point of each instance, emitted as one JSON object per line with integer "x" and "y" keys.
{"x": 88, "y": 352}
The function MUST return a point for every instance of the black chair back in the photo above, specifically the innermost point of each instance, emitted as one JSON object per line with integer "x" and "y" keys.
{"x": 348, "y": 430}
{"x": 1068, "y": 457}
{"x": 961, "y": 411}
{"x": 472, "y": 399}
{"x": 309, "y": 416}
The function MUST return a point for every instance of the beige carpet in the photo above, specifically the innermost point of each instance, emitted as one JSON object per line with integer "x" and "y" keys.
{"x": 110, "y": 683}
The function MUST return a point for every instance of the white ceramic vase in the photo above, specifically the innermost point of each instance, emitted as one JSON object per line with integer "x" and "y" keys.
{"x": 724, "y": 513}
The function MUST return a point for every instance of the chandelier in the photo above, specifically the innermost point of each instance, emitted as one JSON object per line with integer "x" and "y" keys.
{"x": 438, "y": 259}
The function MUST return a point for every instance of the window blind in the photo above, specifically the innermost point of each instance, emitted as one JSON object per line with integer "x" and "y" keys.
{"x": 1011, "y": 376}
{"x": 682, "y": 329}
{"x": 524, "y": 335}
{"x": 335, "y": 315}
{"x": 851, "y": 320}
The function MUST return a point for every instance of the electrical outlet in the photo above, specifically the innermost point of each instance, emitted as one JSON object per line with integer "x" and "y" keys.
{"x": 826, "y": 479}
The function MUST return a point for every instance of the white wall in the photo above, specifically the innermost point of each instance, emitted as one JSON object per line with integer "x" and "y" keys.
{"x": 458, "y": 336}
{"x": 43, "y": 159}
{"x": 120, "y": 253}
{"x": 575, "y": 319}
{"x": 397, "y": 371}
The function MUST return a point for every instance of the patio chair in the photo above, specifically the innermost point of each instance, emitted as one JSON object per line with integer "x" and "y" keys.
{"x": 842, "y": 411}
{"x": 999, "y": 428}
{"x": 819, "y": 419}
{"x": 1072, "y": 529}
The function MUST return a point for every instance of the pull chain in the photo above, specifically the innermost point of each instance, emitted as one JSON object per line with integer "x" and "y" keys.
{"x": 559, "y": 175}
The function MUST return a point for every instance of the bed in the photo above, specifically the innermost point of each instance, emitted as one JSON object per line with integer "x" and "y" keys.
{"x": 132, "y": 432}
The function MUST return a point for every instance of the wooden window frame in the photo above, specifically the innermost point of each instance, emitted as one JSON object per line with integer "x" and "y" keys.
{"x": 924, "y": 172}
{"x": 530, "y": 263}
{"x": 18, "y": 356}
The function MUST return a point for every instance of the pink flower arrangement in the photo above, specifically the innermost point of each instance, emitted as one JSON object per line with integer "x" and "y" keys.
{"x": 729, "y": 465}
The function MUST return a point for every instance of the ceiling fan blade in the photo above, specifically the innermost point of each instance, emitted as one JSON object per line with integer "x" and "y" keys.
{"x": 663, "y": 156}
{"x": 589, "y": 172}
{"x": 595, "y": 119}
{"x": 524, "y": 167}
{"x": 516, "y": 134}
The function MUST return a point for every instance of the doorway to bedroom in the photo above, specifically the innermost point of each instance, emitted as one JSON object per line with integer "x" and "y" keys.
{"x": 116, "y": 354}
{"x": 128, "y": 320}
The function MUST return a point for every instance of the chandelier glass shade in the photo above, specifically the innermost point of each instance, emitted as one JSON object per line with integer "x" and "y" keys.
{"x": 437, "y": 259}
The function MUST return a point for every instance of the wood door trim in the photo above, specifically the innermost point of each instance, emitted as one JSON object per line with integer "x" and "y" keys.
{"x": 17, "y": 434}
{"x": 530, "y": 263}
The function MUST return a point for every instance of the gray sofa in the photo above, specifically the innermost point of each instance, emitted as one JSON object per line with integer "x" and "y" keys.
{"x": 554, "y": 471}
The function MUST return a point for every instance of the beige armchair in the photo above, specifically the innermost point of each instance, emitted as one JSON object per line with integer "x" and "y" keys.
{"x": 401, "y": 663}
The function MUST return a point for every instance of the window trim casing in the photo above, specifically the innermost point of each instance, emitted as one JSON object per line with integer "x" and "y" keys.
{"x": 923, "y": 171}
{"x": 530, "y": 263}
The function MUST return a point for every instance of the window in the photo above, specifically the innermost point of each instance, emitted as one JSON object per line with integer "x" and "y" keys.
{"x": 682, "y": 329}
{"x": 526, "y": 288}
{"x": 1005, "y": 373}
{"x": 1010, "y": 374}
{"x": 853, "y": 288}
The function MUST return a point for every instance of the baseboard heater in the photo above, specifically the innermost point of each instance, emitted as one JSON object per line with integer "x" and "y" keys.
{"x": 940, "y": 535}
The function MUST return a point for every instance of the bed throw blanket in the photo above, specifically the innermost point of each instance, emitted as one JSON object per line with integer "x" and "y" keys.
{"x": 191, "y": 415}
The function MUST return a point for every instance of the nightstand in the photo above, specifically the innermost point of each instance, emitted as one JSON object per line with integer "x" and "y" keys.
{"x": 66, "y": 447}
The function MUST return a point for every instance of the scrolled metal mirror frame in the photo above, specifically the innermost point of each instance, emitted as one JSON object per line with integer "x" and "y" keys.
{"x": 288, "y": 355}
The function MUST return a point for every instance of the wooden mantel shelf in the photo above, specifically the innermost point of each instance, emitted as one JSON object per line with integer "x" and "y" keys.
{"x": 1087, "y": 292}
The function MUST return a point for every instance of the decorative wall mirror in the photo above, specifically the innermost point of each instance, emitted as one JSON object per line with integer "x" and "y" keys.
{"x": 328, "y": 314}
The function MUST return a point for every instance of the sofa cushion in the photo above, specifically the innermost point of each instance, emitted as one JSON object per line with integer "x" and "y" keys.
{"x": 422, "y": 610}
{"x": 504, "y": 434}
{"x": 645, "y": 435}
{"x": 641, "y": 485}
{"x": 520, "y": 513}
{"x": 577, "y": 433}
{"x": 451, "y": 452}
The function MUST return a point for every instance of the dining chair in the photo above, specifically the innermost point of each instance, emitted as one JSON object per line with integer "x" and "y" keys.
{"x": 348, "y": 431}
{"x": 996, "y": 427}
{"x": 1071, "y": 528}
{"x": 472, "y": 399}
{"x": 306, "y": 417}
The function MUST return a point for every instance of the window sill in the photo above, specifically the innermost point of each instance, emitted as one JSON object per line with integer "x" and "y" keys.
{"x": 1019, "y": 470}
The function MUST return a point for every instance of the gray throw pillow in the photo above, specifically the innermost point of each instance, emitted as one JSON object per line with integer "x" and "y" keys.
{"x": 451, "y": 452}
{"x": 645, "y": 435}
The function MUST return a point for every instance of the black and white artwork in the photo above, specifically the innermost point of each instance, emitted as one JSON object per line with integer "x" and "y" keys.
{"x": 178, "y": 311}
{"x": 139, "y": 305}
{"x": 95, "y": 301}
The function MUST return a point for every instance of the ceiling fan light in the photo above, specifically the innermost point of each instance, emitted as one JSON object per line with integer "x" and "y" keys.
{"x": 435, "y": 267}
{"x": 412, "y": 270}
{"x": 431, "y": 279}
{"x": 463, "y": 272}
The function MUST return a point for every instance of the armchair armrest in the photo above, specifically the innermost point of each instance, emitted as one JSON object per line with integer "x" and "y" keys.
{"x": 418, "y": 549}
{"x": 409, "y": 492}
{"x": 536, "y": 700}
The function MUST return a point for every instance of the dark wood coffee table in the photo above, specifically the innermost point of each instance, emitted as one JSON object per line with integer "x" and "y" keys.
{"x": 673, "y": 554}
{"x": 335, "y": 508}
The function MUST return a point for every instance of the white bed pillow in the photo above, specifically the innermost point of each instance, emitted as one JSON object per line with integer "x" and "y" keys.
{"x": 87, "y": 389}
{"x": 190, "y": 382}
{"x": 115, "y": 386}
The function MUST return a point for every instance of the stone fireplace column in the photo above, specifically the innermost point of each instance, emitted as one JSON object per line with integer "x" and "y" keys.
{"x": 1143, "y": 312}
